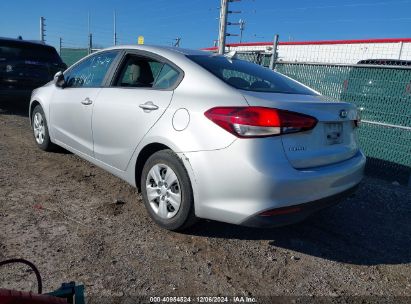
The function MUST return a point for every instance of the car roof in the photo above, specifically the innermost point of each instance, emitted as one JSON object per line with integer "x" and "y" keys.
{"x": 23, "y": 42}
{"x": 160, "y": 50}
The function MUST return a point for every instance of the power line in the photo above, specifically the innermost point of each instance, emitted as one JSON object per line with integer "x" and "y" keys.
{"x": 179, "y": 6}
{"x": 337, "y": 6}
{"x": 115, "y": 29}
{"x": 405, "y": 19}
{"x": 76, "y": 29}
{"x": 102, "y": 34}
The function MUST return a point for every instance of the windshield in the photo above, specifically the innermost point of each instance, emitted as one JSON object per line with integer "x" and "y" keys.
{"x": 248, "y": 76}
{"x": 28, "y": 52}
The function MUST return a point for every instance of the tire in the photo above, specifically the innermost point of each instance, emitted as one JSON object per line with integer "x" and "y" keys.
{"x": 40, "y": 129}
{"x": 163, "y": 181}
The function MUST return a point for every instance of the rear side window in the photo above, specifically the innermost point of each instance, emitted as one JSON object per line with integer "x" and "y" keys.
{"x": 28, "y": 52}
{"x": 248, "y": 76}
{"x": 138, "y": 72}
{"x": 144, "y": 72}
{"x": 167, "y": 78}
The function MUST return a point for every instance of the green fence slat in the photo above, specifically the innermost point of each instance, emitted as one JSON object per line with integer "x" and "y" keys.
{"x": 384, "y": 93}
{"x": 72, "y": 55}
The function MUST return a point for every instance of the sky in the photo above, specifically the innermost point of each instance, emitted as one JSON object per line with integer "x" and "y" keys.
{"x": 196, "y": 21}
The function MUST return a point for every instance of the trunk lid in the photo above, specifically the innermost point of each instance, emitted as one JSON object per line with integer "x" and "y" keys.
{"x": 332, "y": 140}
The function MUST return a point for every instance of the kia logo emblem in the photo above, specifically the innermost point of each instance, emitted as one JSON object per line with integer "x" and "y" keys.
{"x": 343, "y": 113}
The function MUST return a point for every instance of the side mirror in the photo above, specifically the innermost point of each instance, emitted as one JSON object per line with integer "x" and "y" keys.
{"x": 59, "y": 79}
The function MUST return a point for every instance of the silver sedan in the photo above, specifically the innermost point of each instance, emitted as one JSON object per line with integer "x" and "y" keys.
{"x": 203, "y": 135}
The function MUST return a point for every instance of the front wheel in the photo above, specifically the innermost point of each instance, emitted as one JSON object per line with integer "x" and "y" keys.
{"x": 40, "y": 129}
{"x": 167, "y": 191}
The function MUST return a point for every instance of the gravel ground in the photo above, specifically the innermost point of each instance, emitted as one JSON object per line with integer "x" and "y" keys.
{"x": 77, "y": 222}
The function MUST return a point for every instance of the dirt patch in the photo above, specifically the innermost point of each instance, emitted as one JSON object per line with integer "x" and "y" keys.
{"x": 77, "y": 222}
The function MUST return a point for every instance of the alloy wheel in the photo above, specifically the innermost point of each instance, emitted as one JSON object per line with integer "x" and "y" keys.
{"x": 39, "y": 128}
{"x": 163, "y": 191}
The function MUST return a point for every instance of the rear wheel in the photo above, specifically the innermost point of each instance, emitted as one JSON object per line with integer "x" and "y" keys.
{"x": 167, "y": 191}
{"x": 40, "y": 129}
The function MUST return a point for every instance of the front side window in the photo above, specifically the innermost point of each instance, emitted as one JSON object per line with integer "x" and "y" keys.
{"x": 90, "y": 72}
{"x": 143, "y": 72}
{"x": 248, "y": 76}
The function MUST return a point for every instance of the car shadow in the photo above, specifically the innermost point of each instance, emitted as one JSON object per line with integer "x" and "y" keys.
{"x": 20, "y": 107}
{"x": 17, "y": 106}
{"x": 371, "y": 228}
{"x": 59, "y": 150}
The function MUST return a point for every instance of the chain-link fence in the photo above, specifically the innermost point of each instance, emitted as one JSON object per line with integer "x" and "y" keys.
{"x": 384, "y": 95}
{"x": 380, "y": 87}
{"x": 72, "y": 55}
{"x": 390, "y": 51}
{"x": 350, "y": 53}
{"x": 261, "y": 58}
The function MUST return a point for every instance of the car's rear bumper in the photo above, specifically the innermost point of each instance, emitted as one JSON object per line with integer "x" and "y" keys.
{"x": 240, "y": 182}
{"x": 296, "y": 213}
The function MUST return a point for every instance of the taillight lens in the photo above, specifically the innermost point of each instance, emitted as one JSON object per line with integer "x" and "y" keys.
{"x": 245, "y": 122}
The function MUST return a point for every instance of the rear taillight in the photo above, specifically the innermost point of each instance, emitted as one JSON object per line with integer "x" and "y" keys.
{"x": 247, "y": 122}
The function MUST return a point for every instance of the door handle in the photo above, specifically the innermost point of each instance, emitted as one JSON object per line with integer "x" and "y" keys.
{"x": 87, "y": 101}
{"x": 148, "y": 106}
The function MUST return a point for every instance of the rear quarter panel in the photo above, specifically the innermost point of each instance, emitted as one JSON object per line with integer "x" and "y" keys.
{"x": 198, "y": 92}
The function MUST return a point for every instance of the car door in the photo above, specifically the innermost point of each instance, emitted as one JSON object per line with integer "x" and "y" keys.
{"x": 72, "y": 105}
{"x": 140, "y": 91}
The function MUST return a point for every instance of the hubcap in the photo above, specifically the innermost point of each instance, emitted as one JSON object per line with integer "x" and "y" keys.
{"x": 38, "y": 127}
{"x": 163, "y": 191}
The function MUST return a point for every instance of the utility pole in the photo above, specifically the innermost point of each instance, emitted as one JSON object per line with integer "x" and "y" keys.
{"x": 274, "y": 55}
{"x": 42, "y": 29}
{"x": 222, "y": 34}
{"x": 60, "y": 45}
{"x": 223, "y": 26}
{"x": 242, "y": 28}
{"x": 177, "y": 42}
{"x": 90, "y": 35}
{"x": 90, "y": 43}
{"x": 115, "y": 29}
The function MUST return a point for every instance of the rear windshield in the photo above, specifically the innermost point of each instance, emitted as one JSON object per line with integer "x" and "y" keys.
{"x": 28, "y": 52}
{"x": 248, "y": 76}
